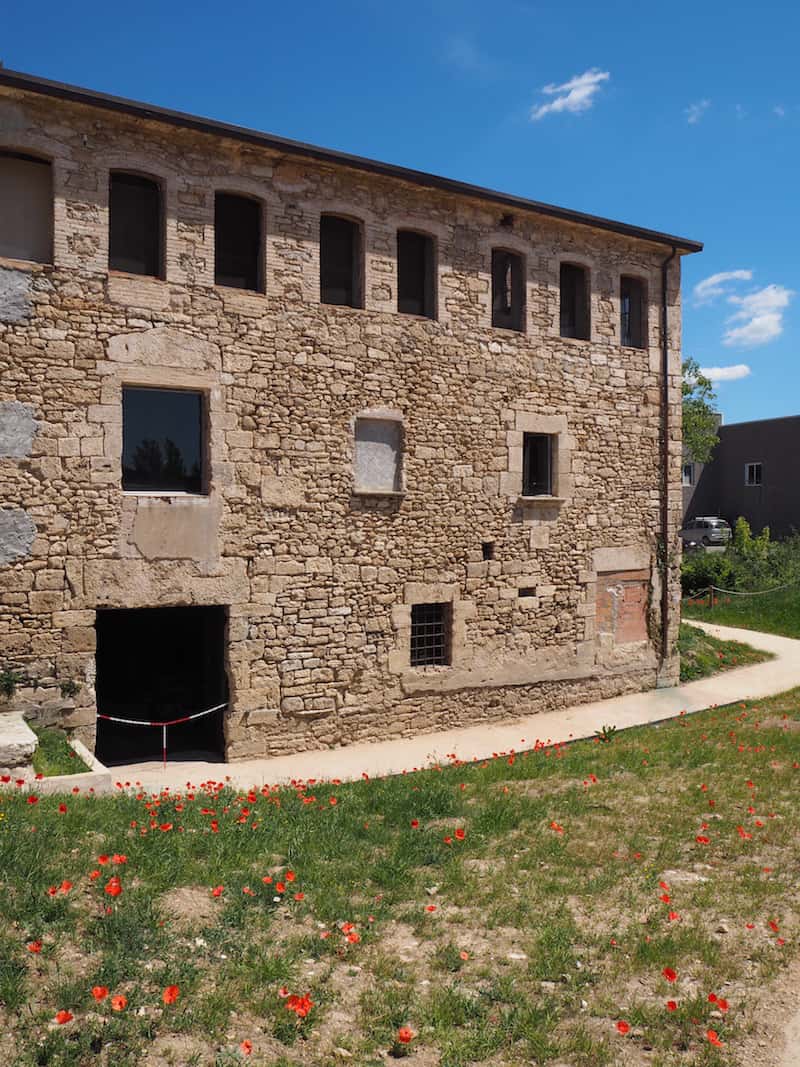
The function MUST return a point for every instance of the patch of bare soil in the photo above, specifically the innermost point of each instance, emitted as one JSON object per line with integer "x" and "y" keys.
{"x": 775, "y": 1038}
{"x": 189, "y": 907}
{"x": 175, "y": 1050}
{"x": 781, "y": 724}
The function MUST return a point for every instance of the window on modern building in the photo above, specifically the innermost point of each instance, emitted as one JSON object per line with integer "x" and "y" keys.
{"x": 238, "y": 240}
{"x": 340, "y": 262}
{"x": 537, "y": 464}
{"x": 134, "y": 225}
{"x": 378, "y": 458}
{"x": 574, "y": 283}
{"x": 163, "y": 440}
{"x": 633, "y": 312}
{"x": 431, "y": 626}
{"x": 26, "y": 208}
{"x": 416, "y": 286}
{"x": 687, "y": 475}
{"x": 752, "y": 474}
{"x": 508, "y": 290}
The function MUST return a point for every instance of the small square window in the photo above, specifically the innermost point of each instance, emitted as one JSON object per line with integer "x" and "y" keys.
{"x": 163, "y": 448}
{"x": 537, "y": 464}
{"x": 752, "y": 474}
{"x": 430, "y": 635}
{"x": 687, "y": 475}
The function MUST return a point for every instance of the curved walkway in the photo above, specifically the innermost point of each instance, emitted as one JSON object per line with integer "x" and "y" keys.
{"x": 481, "y": 741}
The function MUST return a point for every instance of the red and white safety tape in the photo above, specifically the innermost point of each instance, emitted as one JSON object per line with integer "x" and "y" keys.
{"x": 163, "y": 725}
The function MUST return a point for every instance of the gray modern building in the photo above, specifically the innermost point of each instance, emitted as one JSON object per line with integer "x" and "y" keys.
{"x": 755, "y": 472}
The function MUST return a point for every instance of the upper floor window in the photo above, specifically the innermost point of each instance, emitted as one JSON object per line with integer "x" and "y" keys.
{"x": 537, "y": 464}
{"x": 378, "y": 455}
{"x": 135, "y": 225}
{"x": 163, "y": 440}
{"x": 238, "y": 240}
{"x": 633, "y": 312}
{"x": 687, "y": 474}
{"x": 752, "y": 474}
{"x": 416, "y": 286}
{"x": 574, "y": 287}
{"x": 26, "y": 208}
{"x": 508, "y": 290}
{"x": 340, "y": 262}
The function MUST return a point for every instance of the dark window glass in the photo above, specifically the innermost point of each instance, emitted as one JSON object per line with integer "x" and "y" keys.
{"x": 162, "y": 440}
{"x": 752, "y": 475}
{"x": 508, "y": 290}
{"x": 26, "y": 208}
{"x": 430, "y": 635}
{"x": 134, "y": 237}
{"x": 574, "y": 302}
{"x": 237, "y": 242}
{"x": 537, "y": 464}
{"x": 339, "y": 261}
{"x": 415, "y": 274}
{"x": 633, "y": 313}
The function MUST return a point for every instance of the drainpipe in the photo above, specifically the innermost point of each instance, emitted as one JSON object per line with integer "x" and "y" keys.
{"x": 665, "y": 486}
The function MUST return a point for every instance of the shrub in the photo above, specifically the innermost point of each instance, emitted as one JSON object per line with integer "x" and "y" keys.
{"x": 703, "y": 569}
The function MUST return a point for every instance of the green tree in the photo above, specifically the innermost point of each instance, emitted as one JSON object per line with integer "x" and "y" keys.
{"x": 699, "y": 416}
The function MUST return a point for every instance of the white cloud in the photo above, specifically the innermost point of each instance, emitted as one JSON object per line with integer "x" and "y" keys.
{"x": 726, "y": 374}
{"x": 574, "y": 96}
{"x": 760, "y": 314}
{"x": 694, "y": 112}
{"x": 715, "y": 285}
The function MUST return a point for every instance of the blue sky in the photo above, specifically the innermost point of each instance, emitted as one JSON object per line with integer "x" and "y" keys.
{"x": 683, "y": 117}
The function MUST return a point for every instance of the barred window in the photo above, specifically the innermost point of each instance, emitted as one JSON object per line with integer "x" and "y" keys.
{"x": 430, "y": 635}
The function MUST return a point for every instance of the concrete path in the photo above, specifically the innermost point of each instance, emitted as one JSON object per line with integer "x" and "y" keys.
{"x": 481, "y": 741}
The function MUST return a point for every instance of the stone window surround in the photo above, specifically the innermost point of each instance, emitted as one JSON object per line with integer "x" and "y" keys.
{"x": 341, "y": 210}
{"x": 632, "y": 559}
{"x": 386, "y": 415}
{"x": 579, "y": 259}
{"x": 506, "y": 241}
{"x": 429, "y": 232}
{"x": 555, "y": 426}
{"x": 161, "y": 182}
{"x": 460, "y": 612}
{"x": 233, "y": 188}
{"x": 40, "y": 148}
{"x": 639, "y": 276}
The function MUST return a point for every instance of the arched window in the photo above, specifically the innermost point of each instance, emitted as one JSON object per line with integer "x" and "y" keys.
{"x": 574, "y": 286}
{"x": 135, "y": 225}
{"x": 26, "y": 208}
{"x": 340, "y": 262}
{"x": 238, "y": 242}
{"x": 416, "y": 274}
{"x": 508, "y": 290}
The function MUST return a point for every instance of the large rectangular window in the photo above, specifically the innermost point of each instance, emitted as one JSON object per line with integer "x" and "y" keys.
{"x": 430, "y": 635}
{"x": 633, "y": 312}
{"x": 537, "y": 464}
{"x": 574, "y": 289}
{"x": 508, "y": 290}
{"x": 26, "y": 208}
{"x": 238, "y": 240}
{"x": 134, "y": 225}
{"x": 416, "y": 286}
{"x": 163, "y": 445}
{"x": 378, "y": 455}
{"x": 340, "y": 262}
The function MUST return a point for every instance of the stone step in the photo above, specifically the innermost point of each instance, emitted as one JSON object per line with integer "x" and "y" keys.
{"x": 17, "y": 743}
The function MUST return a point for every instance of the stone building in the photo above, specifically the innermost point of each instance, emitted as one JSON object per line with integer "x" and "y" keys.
{"x": 352, "y": 450}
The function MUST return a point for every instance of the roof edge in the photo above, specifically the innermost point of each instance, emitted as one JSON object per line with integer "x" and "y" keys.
{"x": 45, "y": 87}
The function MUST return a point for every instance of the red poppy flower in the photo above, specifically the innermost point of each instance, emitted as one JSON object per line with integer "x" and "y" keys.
{"x": 664, "y": 898}
{"x": 353, "y": 937}
{"x": 33, "y": 799}
{"x": 217, "y": 891}
{"x": 301, "y": 1006}
{"x": 113, "y": 887}
{"x": 556, "y": 828}
{"x": 415, "y": 824}
{"x": 102, "y": 860}
{"x": 673, "y": 916}
{"x": 280, "y": 887}
{"x": 333, "y": 801}
{"x": 170, "y": 994}
{"x": 52, "y": 890}
{"x": 64, "y": 1016}
{"x": 623, "y": 1027}
{"x": 712, "y": 998}
{"x": 430, "y": 907}
{"x": 773, "y": 926}
{"x": 246, "y": 1047}
{"x": 722, "y": 1004}
{"x": 65, "y": 887}
{"x": 669, "y": 974}
{"x": 460, "y": 834}
{"x": 713, "y": 1038}
{"x": 405, "y": 1035}
{"x": 447, "y": 840}
{"x": 701, "y": 839}
{"x": 165, "y": 827}
{"x": 93, "y": 876}
{"x": 464, "y": 955}
{"x": 290, "y": 876}
{"x": 119, "y": 858}
{"x": 119, "y": 1002}
{"x": 283, "y": 992}
{"x": 299, "y": 896}
{"x": 62, "y": 809}
{"x": 664, "y": 886}
{"x": 35, "y": 947}
{"x": 672, "y": 1005}
{"x": 100, "y": 992}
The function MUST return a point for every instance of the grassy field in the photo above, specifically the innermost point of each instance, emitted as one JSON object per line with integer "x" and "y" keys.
{"x": 776, "y": 613}
{"x": 53, "y": 754}
{"x": 530, "y": 909}
{"x": 703, "y": 655}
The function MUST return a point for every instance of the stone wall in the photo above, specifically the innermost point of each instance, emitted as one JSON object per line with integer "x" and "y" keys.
{"x": 318, "y": 579}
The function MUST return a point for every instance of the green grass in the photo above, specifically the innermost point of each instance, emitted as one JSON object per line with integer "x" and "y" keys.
{"x": 539, "y": 941}
{"x": 54, "y": 755}
{"x": 774, "y": 613}
{"x": 703, "y": 655}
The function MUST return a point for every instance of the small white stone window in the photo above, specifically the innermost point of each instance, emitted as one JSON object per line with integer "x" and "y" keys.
{"x": 378, "y": 455}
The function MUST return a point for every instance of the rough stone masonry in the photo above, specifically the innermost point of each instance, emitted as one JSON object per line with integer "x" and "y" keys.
{"x": 550, "y": 600}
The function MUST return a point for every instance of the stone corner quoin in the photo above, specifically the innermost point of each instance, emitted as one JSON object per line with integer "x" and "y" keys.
{"x": 386, "y": 522}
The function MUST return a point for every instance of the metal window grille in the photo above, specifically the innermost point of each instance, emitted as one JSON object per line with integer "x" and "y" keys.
{"x": 430, "y": 635}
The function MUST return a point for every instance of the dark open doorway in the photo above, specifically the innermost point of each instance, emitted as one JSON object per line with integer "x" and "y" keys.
{"x": 155, "y": 664}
